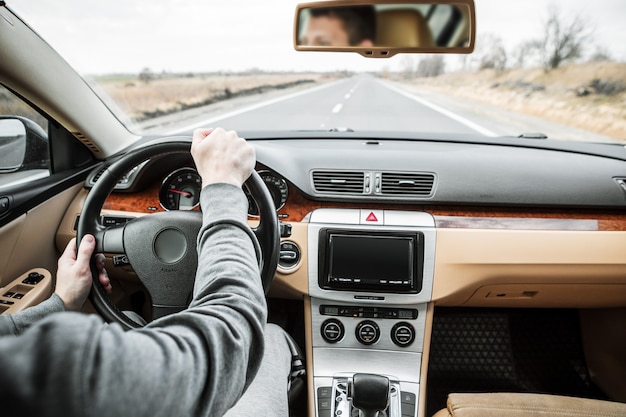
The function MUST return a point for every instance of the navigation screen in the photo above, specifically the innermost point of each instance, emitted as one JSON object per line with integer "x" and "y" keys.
{"x": 384, "y": 263}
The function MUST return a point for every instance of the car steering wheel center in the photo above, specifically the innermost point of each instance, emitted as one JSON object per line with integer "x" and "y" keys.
{"x": 170, "y": 245}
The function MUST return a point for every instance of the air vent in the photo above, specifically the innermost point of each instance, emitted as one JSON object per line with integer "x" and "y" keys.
{"x": 621, "y": 182}
{"x": 341, "y": 182}
{"x": 407, "y": 184}
{"x": 92, "y": 146}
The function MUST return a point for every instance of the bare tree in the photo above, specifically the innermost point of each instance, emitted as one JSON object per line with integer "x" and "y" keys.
{"x": 408, "y": 67}
{"x": 492, "y": 53}
{"x": 600, "y": 54}
{"x": 146, "y": 75}
{"x": 564, "y": 39}
{"x": 526, "y": 53}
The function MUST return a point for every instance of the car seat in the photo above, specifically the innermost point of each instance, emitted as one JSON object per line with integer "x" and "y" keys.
{"x": 402, "y": 28}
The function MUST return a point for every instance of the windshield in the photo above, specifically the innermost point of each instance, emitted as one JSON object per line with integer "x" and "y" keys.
{"x": 553, "y": 68}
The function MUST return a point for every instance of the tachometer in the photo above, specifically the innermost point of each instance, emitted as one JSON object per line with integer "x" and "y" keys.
{"x": 278, "y": 190}
{"x": 181, "y": 190}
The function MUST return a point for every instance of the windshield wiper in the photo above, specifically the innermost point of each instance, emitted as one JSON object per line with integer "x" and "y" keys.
{"x": 533, "y": 135}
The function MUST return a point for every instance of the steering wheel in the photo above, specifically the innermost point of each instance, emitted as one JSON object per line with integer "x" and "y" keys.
{"x": 161, "y": 247}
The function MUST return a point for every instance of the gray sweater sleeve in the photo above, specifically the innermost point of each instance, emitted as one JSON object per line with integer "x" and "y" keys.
{"x": 197, "y": 362}
{"x": 15, "y": 324}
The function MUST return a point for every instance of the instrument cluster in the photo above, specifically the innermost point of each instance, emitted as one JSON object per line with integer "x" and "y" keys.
{"x": 180, "y": 190}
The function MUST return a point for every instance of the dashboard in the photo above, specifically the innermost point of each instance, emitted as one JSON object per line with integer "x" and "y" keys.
{"x": 445, "y": 178}
{"x": 551, "y": 211}
{"x": 376, "y": 233}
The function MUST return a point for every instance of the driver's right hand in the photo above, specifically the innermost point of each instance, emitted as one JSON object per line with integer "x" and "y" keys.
{"x": 222, "y": 157}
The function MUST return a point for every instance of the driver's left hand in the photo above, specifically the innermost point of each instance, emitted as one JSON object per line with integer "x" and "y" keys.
{"x": 74, "y": 276}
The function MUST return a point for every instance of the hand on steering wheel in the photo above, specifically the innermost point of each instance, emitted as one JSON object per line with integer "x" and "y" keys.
{"x": 168, "y": 279}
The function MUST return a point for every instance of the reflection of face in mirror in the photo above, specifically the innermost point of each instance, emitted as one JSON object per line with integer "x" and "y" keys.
{"x": 340, "y": 26}
{"x": 383, "y": 28}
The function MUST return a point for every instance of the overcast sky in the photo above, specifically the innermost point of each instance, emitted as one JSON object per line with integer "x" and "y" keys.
{"x": 99, "y": 37}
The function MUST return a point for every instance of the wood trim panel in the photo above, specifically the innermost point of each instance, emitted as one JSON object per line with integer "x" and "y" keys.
{"x": 298, "y": 206}
{"x": 145, "y": 201}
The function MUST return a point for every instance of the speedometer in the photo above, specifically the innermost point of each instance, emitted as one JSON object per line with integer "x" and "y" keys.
{"x": 181, "y": 190}
{"x": 278, "y": 190}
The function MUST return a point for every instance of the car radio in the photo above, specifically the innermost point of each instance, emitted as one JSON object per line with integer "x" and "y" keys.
{"x": 389, "y": 262}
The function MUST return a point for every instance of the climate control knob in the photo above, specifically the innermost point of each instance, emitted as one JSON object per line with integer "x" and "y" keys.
{"x": 367, "y": 332}
{"x": 403, "y": 334}
{"x": 332, "y": 330}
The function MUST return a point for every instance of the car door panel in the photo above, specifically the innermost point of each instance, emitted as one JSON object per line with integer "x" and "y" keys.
{"x": 28, "y": 245}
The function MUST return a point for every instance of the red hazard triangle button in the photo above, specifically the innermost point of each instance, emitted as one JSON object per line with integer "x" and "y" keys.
{"x": 372, "y": 217}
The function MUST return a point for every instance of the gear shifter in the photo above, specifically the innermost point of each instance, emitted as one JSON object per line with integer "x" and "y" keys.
{"x": 370, "y": 394}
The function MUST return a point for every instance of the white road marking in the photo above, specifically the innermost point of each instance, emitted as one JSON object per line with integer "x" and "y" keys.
{"x": 250, "y": 108}
{"x": 474, "y": 126}
{"x": 357, "y": 85}
{"x": 347, "y": 96}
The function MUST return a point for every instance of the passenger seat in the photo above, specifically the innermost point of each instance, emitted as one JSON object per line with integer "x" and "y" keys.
{"x": 527, "y": 405}
{"x": 402, "y": 29}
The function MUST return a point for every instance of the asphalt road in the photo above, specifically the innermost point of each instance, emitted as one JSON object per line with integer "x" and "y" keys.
{"x": 359, "y": 103}
{"x": 366, "y": 103}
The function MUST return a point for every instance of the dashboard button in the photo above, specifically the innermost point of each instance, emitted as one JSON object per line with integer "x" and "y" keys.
{"x": 332, "y": 330}
{"x": 289, "y": 255}
{"x": 367, "y": 332}
{"x": 403, "y": 334}
{"x": 375, "y": 217}
{"x": 33, "y": 278}
{"x": 407, "y": 398}
{"x": 4, "y": 204}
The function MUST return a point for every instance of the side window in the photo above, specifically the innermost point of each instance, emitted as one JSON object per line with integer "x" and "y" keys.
{"x": 24, "y": 147}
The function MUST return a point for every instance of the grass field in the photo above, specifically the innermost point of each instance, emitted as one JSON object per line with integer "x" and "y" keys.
{"x": 588, "y": 96}
{"x": 142, "y": 100}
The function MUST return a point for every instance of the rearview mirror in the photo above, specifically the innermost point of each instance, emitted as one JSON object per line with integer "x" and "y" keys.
{"x": 381, "y": 29}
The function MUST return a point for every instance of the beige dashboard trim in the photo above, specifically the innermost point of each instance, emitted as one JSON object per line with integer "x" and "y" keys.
{"x": 428, "y": 331}
{"x": 293, "y": 283}
{"x": 537, "y": 268}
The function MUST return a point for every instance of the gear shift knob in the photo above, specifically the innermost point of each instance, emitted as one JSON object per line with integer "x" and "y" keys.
{"x": 370, "y": 393}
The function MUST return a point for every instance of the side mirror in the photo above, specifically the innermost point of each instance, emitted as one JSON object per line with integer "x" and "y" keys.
{"x": 383, "y": 28}
{"x": 23, "y": 145}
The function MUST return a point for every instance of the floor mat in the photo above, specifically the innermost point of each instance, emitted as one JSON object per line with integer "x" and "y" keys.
{"x": 500, "y": 350}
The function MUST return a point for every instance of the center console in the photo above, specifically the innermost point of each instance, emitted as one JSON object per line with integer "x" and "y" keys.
{"x": 370, "y": 278}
